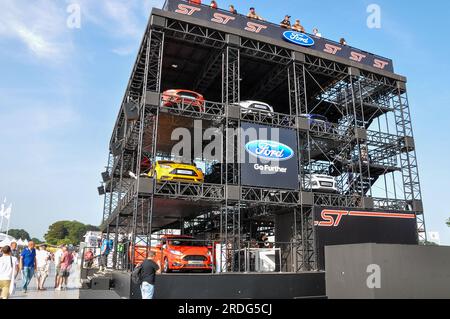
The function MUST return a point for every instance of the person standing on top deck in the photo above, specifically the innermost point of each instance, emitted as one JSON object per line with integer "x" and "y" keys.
{"x": 286, "y": 23}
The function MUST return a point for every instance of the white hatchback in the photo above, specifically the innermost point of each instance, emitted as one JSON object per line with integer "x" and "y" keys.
{"x": 248, "y": 107}
{"x": 321, "y": 183}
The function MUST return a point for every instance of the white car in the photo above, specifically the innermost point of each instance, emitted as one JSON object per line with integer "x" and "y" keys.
{"x": 248, "y": 107}
{"x": 321, "y": 183}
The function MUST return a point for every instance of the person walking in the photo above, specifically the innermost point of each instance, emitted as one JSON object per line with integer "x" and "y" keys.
{"x": 8, "y": 269}
{"x": 28, "y": 264}
{"x": 43, "y": 258}
{"x": 148, "y": 274}
{"x": 14, "y": 250}
{"x": 64, "y": 273}
{"x": 57, "y": 260}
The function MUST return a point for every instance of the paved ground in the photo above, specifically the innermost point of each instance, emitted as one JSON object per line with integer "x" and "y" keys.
{"x": 71, "y": 293}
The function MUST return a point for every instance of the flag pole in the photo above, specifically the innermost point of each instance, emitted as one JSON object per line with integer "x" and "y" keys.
{"x": 9, "y": 218}
{"x": 2, "y": 212}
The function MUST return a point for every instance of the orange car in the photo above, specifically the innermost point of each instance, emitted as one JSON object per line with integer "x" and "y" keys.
{"x": 179, "y": 253}
{"x": 171, "y": 98}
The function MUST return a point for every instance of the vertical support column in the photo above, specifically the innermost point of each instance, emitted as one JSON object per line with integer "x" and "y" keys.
{"x": 304, "y": 254}
{"x": 298, "y": 104}
{"x": 231, "y": 95}
{"x": 357, "y": 183}
{"x": 116, "y": 242}
{"x": 151, "y": 83}
{"x": 231, "y": 70}
{"x": 297, "y": 89}
{"x": 230, "y": 212}
{"x": 408, "y": 158}
{"x": 305, "y": 258}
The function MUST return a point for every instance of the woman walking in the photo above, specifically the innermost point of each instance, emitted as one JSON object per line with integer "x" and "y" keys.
{"x": 8, "y": 270}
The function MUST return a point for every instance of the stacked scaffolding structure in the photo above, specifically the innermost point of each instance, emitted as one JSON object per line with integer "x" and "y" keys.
{"x": 367, "y": 143}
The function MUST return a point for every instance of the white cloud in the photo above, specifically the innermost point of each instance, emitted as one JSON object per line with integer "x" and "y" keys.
{"x": 39, "y": 25}
{"x": 124, "y": 21}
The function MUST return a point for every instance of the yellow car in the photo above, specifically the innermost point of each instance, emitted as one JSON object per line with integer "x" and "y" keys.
{"x": 171, "y": 171}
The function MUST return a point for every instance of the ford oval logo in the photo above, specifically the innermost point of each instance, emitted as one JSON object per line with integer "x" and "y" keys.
{"x": 298, "y": 38}
{"x": 269, "y": 150}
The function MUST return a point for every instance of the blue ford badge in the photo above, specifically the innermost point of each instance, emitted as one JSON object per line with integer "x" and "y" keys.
{"x": 269, "y": 150}
{"x": 298, "y": 38}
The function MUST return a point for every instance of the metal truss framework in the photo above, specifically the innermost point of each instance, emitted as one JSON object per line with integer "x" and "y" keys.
{"x": 349, "y": 148}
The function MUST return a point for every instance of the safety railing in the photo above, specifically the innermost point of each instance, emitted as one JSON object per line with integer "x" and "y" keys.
{"x": 182, "y": 254}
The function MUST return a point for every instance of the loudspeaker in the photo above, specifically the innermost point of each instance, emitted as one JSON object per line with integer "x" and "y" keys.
{"x": 101, "y": 190}
{"x": 131, "y": 111}
{"x": 105, "y": 177}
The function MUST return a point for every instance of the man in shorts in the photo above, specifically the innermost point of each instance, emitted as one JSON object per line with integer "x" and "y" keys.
{"x": 57, "y": 260}
{"x": 42, "y": 266}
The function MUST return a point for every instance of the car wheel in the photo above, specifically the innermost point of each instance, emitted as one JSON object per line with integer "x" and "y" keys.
{"x": 166, "y": 268}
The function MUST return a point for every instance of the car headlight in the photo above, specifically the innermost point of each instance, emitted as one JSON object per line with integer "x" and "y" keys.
{"x": 176, "y": 252}
{"x": 166, "y": 166}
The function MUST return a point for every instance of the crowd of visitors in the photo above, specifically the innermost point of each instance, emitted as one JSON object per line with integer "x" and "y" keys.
{"x": 286, "y": 23}
{"x": 33, "y": 262}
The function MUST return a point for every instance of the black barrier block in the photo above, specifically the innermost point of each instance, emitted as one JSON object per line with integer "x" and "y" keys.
{"x": 375, "y": 271}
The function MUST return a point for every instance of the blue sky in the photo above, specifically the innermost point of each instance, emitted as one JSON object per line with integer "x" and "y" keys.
{"x": 60, "y": 90}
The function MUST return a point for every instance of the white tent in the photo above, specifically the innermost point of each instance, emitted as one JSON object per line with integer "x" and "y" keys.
{"x": 20, "y": 242}
{"x": 25, "y": 242}
{"x": 5, "y": 242}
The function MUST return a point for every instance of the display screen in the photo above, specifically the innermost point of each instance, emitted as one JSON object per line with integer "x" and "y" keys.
{"x": 269, "y": 157}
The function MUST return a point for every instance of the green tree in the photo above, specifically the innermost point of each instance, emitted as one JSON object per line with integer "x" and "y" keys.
{"x": 448, "y": 222}
{"x": 37, "y": 241}
{"x": 19, "y": 234}
{"x": 67, "y": 232}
